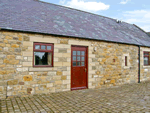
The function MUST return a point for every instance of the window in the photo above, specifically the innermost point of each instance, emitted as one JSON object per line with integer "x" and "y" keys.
{"x": 78, "y": 58}
{"x": 113, "y": 60}
{"x": 125, "y": 60}
{"x": 43, "y": 55}
{"x": 146, "y": 58}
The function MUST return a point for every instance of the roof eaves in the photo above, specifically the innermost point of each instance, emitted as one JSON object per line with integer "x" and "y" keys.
{"x": 71, "y": 36}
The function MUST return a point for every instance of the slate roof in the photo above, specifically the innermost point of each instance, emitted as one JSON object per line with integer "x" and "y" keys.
{"x": 36, "y": 16}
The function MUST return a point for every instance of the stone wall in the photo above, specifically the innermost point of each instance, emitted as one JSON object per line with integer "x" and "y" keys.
{"x": 106, "y": 64}
{"x": 145, "y": 70}
{"x": 110, "y": 64}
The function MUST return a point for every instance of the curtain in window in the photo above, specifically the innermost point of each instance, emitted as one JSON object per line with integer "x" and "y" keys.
{"x": 146, "y": 60}
{"x": 49, "y": 58}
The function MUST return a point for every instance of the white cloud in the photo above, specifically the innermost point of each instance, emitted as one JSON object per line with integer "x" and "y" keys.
{"x": 86, "y": 6}
{"x": 138, "y": 17}
{"x": 136, "y": 12}
{"x": 124, "y": 1}
{"x": 62, "y": 1}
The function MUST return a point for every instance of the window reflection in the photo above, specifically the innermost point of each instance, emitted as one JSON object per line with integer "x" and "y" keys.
{"x": 78, "y": 52}
{"x": 48, "y": 47}
{"x": 82, "y": 53}
{"x": 82, "y": 58}
{"x": 37, "y": 46}
{"x": 82, "y": 63}
{"x": 74, "y": 58}
{"x": 74, "y": 63}
{"x": 43, "y": 47}
{"x": 78, "y": 58}
{"x": 74, "y": 52}
{"x": 42, "y": 58}
{"x": 78, "y": 63}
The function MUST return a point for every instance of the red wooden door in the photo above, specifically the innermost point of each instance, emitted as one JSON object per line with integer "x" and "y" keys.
{"x": 79, "y": 67}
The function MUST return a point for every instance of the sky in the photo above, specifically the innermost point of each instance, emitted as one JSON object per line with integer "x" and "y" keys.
{"x": 130, "y": 11}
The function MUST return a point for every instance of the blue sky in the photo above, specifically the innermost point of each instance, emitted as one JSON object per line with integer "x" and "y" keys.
{"x": 131, "y": 11}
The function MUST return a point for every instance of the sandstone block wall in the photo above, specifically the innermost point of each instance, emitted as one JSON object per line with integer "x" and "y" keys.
{"x": 145, "y": 70}
{"x": 106, "y": 64}
{"x": 110, "y": 64}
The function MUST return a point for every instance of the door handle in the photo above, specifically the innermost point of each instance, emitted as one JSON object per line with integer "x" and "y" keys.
{"x": 85, "y": 69}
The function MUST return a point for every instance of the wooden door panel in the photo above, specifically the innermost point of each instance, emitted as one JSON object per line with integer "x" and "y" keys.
{"x": 79, "y": 68}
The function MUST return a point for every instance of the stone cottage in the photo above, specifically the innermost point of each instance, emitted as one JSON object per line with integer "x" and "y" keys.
{"x": 48, "y": 48}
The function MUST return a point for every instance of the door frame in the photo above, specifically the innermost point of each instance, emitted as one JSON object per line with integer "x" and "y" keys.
{"x": 87, "y": 56}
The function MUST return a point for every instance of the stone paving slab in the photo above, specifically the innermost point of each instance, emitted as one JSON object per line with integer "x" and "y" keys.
{"x": 129, "y": 98}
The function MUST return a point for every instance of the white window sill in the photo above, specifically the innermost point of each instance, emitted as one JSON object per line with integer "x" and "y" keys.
{"x": 126, "y": 67}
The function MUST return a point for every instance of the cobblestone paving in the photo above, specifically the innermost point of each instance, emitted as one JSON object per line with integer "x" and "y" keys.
{"x": 133, "y": 98}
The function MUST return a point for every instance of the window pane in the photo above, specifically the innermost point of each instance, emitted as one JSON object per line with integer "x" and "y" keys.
{"x": 74, "y": 58}
{"x": 74, "y": 52}
{"x": 37, "y": 46}
{"x": 82, "y": 63}
{"x": 48, "y": 47}
{"x": 74, "y": 63}
{"x": 82, "y": 58}
{"x": 82, "y": 53}
{"x": 78, "y": 58}
{"x": 145, "y": 60}
{"x": 42, "y": 58}
{"x": 78, "y": 63}
{"x": 78, "y": 52}
{"x": 43, "y": 47}
{"x": 146, "y": 54}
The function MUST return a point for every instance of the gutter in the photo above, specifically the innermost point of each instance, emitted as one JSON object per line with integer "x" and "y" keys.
{"x": 139, "y": 65}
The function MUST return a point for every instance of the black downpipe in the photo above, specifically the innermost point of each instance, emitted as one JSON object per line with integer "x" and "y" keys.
{"x": 139, "y": 66}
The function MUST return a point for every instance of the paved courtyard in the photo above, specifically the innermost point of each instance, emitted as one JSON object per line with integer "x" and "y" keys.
{"x": 134, "y": 98}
